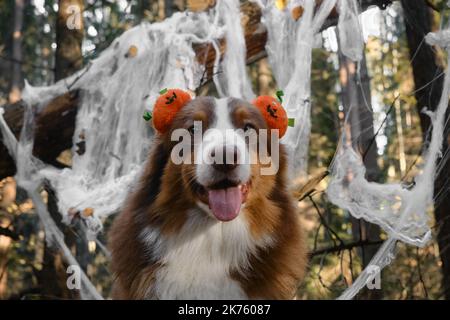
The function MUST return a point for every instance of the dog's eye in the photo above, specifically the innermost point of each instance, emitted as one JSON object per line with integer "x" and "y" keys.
{"x": 248, "y": 126}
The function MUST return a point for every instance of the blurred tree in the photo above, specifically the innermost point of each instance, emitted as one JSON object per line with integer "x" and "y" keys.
{"x": 68, "y": 59}
{"x": 7, "y": 197}
{"x": 359, "y": 133}
{"x": 16, "y": 72}
{"x": 429, "y": 83}
{"x": 69, "y": 38}
{"x": 390, "y": 70}
{"x": 172, "y": 6}
{"x": 325, "y": 109}
{"x": 6, "y": 24}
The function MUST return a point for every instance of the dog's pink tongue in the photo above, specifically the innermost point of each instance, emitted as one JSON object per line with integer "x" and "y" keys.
{"x": 225, "y": 203}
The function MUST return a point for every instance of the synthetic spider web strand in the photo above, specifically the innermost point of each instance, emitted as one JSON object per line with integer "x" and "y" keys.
{"x": 401, "y": 212}
{"x": 101, "y": 67}
{"x": 289, "y": 49}
{"x": 410, "y": 223}
{"x": 348, "y": 22}
{"x": 234, "y": 80}
{"x": 29, "y": 168}
{"x": 115, "y": 89}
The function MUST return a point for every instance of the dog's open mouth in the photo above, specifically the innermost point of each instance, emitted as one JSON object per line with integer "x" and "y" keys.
{"x": 225, "y": 198}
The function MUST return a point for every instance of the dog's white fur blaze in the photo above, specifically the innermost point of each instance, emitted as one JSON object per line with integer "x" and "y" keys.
{"x": 222, "y": 132}
{"x": 196, "y": 262}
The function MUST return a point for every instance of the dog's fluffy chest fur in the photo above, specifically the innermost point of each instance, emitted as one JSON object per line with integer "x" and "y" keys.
{"x": 197, "y": 262}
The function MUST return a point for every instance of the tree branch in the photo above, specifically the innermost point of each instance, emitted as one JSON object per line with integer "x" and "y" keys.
{"x": 9, "y": 233}
{"x": 345, "y": 246}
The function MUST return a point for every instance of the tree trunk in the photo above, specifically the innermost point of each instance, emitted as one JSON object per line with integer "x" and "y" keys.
{"x": 356, "y": 100}
{"x": 425, "y": 69}
{"x": 53, "y": 276}
{"x": 14, "y": 96}
{"x": 5, "y": 243}
{"x": 69, "y": 36}
{"x": 16, "y": 72}
{"x": 169, "y": 8}
{"x": 7, "y": 198}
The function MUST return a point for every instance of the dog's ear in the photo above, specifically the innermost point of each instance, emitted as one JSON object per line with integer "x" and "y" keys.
{"x": 148, "y": 186}
{"x": 273, "y": 112}
{"x": 168, "y": 104}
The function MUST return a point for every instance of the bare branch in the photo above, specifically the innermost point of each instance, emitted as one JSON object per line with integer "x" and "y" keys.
{"x": 345, "y": 246}
{"x": 9, "y": 233}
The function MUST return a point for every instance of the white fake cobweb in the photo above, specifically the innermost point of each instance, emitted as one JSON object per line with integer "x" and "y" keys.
{"x": 116, "y": 88}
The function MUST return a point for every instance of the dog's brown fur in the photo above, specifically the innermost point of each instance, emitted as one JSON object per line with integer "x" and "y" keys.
{"x": 161, "y": 200}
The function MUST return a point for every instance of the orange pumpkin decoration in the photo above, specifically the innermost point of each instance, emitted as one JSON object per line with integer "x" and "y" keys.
{"x": 166, "y": 107}
{"x": 172, "y": 101}
{"x": 273, "y": 112}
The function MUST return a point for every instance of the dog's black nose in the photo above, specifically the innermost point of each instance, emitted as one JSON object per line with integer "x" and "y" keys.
{"x": 226, "y": 160}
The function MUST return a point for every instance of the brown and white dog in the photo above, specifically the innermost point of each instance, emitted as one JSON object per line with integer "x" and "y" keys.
{"x": 209, "y": 231}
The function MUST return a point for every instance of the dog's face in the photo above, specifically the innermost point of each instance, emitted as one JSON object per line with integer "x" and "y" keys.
{"x": 218, "y": 141}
